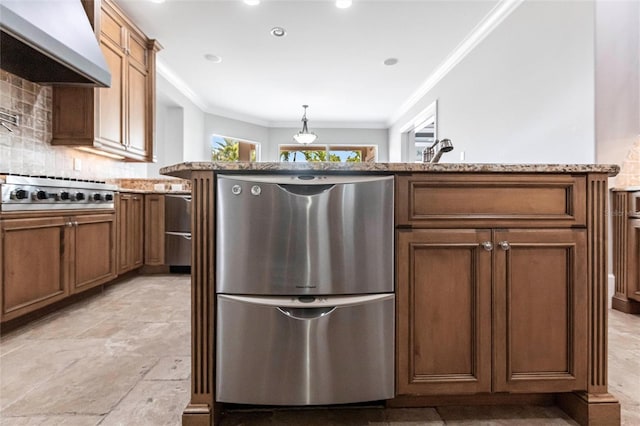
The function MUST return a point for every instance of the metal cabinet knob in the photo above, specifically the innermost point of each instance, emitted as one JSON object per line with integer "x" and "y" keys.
{"x": 504, "y": 245}
{"x": 487, "y": 245}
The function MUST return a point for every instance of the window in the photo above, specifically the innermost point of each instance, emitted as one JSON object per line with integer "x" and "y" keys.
{"x": 419, "y": 133}
{"x": 331, "y": 153}
{"x": 224, "y": 148}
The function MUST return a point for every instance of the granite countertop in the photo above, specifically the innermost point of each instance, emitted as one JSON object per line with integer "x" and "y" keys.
{"x": 627, "y": 188}
{"x": 183, "y": 170}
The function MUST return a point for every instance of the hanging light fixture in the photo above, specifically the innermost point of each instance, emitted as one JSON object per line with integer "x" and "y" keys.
{"x": 304, "y": 136}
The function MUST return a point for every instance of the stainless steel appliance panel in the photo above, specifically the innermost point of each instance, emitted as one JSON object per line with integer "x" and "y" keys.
{"x": 177, "y": 217}
{"x": 305, "y": 350}
{"x": 305, "y": 234}
{"x": 177, "y": 248}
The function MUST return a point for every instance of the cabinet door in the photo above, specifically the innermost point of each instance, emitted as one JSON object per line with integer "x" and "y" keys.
{"x": 33, "y": 264}
{"x": 124, "y": 244}
{"x": 540, "y": 308}
{"x": 136, "y": 231}
{"x": 633, "y": 290}
{"x": 130, "y": 211}
{"x": 110, "y": 128}
{"x": 94, "y": 250}
{"x": 444, "y": 312}
{"x": 154, "y": 229}
{"x": 137, "y": 109}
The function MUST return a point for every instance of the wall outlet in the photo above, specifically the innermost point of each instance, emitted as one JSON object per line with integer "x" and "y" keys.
{"x": 77, "y": 164}
{"x": 462, "y": 155}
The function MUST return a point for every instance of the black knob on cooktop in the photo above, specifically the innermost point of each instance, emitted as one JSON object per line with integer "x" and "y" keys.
{"x": 97, "y": 197}
{"x": 21, "y": 194}
{"x": 79, "y": 196}
{"x": 108, "y": 197}
{"x": 64, "y": 195}
{"x": 41, "y": 195}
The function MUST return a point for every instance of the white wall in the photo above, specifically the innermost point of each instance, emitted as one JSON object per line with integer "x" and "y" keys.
{"x": 524, "y": 95}
{"x": 218, "y": 125}
{"x": 617, "y": 79}
{"x": 179, "y": 128}
{"x": 327, "y": 136}
{"x": 271, "y": 137}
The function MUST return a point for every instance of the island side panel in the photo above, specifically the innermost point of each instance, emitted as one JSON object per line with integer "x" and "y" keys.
{"x": 596, "y": 406}
{"x": 201, "y": 409}
{"x": 623, "y": 262}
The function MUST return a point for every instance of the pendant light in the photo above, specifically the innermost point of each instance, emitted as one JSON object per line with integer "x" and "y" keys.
{"x": 304, "y": 136}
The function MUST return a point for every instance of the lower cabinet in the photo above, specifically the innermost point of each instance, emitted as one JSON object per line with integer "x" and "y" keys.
{"x": 154, "y": 229}
{"x": 633, "y": 289}
{"x": 93, "y": 239}
{"x": 45, "y": 259}
{"x": 486, "y": 310}
{"x": 130, "y": 208}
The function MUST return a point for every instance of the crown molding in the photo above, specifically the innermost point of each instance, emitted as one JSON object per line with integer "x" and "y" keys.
{"x": 179, "y": 84}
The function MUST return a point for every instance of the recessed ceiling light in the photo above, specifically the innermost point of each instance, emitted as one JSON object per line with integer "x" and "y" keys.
{"x": 278, "y": 32}
{"x": 157, "y": 1}
{"x": 213, "y": 58}
{"x": 390, "y": 61}
{"x": 343, "y": 4}
{"x": 252, "y": 2}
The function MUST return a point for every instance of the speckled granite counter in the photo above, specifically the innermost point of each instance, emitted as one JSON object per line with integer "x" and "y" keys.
{"x": 183, "y": 170}
{"x": 152, "y": 186}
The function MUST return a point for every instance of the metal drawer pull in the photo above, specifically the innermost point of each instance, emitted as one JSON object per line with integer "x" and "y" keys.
{"x": 487, "y": 245}
{"x": 504, "y": 245}
{"x": 306, "y": 313}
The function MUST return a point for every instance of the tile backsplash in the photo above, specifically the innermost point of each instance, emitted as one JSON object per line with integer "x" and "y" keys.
{"x": 630, "y": 169}
{"x": 27, "y": 150}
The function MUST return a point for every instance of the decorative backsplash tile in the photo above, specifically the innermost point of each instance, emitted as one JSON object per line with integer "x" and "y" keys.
{"x": 630, "y": 169}
{"x": 27, "y": 150}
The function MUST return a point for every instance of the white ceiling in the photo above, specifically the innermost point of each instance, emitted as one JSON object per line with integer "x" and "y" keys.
{"x": 331, "y": 59}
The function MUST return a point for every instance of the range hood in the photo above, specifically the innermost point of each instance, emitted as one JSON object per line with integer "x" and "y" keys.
{"x": 51, "y": 42}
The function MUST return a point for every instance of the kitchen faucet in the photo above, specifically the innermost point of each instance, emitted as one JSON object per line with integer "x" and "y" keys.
{"x": 431, "y": 155}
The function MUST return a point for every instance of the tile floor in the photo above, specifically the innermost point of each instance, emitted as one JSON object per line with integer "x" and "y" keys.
{"x": 122, "y": 358}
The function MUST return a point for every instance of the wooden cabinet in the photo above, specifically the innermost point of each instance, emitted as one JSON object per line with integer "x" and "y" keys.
{"x": 540, "y": 310}
{"x": 154, "y": 229}
{"x": 633, "y": 291}
{"x": 93, "y": 239}
{"x": 444, "y": 312}
{"x": 447, "y": 332}
{"x": 130, "y": 212}
{"x": 118, "y": 120}
{"x": 44, "y": 259}
{"x": 626, "y": 251}
{"x": 491, "y": 284}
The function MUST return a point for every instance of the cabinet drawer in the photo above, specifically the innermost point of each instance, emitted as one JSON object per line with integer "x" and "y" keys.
{"x": 634, "y": 208}
{"x": 441, "y": 200}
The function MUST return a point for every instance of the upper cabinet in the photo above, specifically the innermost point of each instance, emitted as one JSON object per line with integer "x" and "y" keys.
{"x": 120, "y": 119}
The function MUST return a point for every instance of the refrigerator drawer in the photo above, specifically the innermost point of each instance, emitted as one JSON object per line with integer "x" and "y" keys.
{"x": 323, "y": 234}
{"x": 177, "y": 248}
{"x": 293, "y": 351}
{"x": 177, "y": 213}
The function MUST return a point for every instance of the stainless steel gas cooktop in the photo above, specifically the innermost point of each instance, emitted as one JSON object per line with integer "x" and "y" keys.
{"x": 29, "y": 193}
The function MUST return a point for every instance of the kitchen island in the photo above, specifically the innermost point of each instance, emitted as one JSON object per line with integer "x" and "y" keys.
{"x": 500, "y": 283}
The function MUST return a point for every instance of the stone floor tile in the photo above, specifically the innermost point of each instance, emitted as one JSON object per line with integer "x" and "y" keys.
{"x": 33, "y": 363}
{"x": 153, "y": 339}
{"x": 171, "y": 368}
{"x": 152, "y": 403}
{"x": 64, "y": 420}
{"x": 408, "y": 416}
{"x": 500, "y": 415}
{"x": 92, "y": 385}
